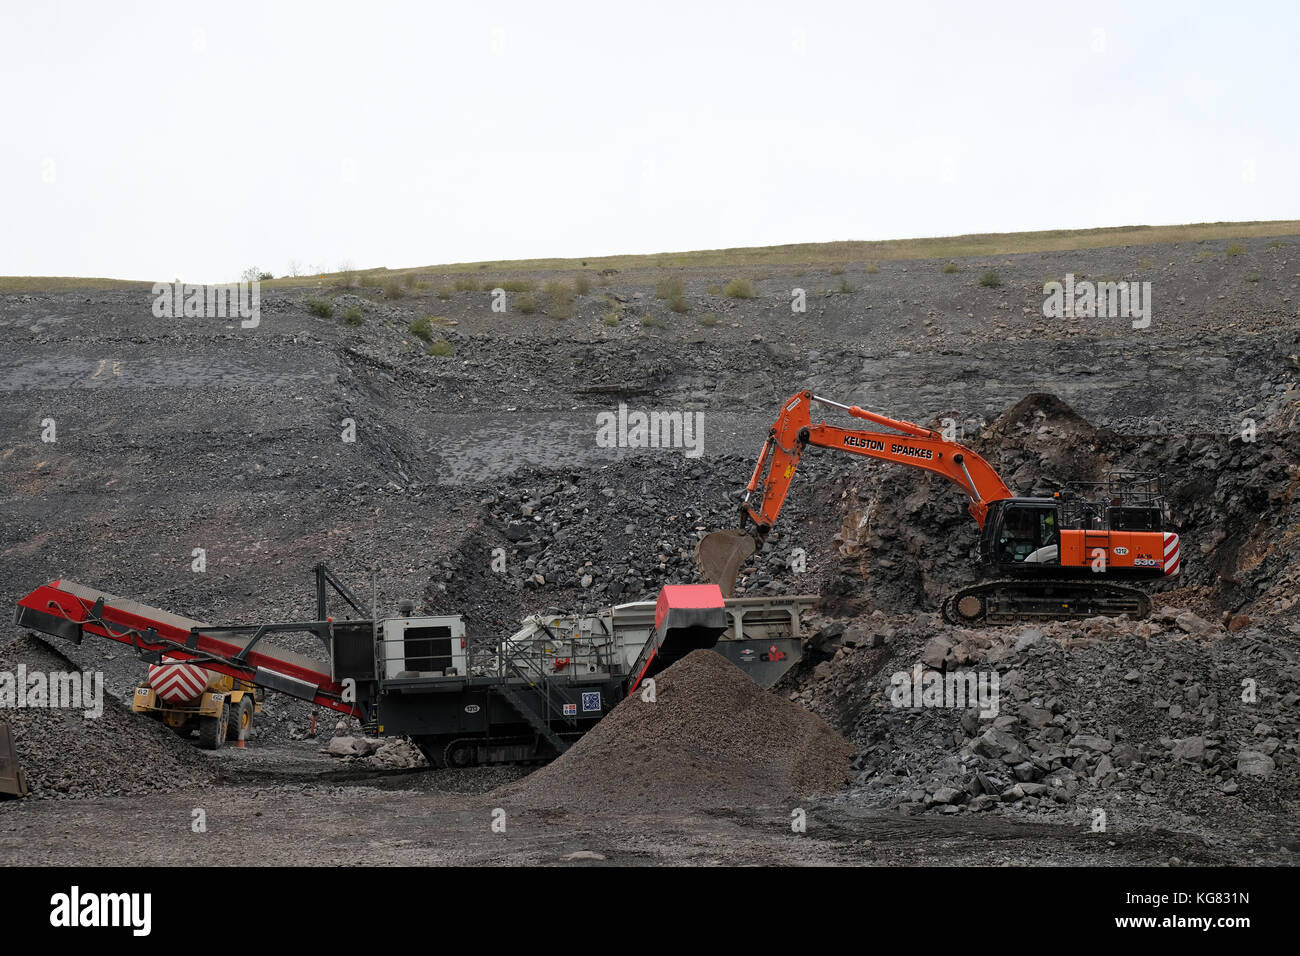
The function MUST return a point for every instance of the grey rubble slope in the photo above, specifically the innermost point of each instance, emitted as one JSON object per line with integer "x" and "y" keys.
{"x": 1141, "y": 719}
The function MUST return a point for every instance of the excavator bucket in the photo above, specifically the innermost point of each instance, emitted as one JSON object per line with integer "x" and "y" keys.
{"x": 720, "y": 554}
{"x": 12, "y": 780}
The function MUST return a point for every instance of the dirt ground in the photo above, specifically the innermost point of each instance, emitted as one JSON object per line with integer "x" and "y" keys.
{"x": 299, "y": 808}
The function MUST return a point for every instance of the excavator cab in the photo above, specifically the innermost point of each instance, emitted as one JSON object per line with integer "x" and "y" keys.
{"x": 1116, "y": 525}
{"x": 1022, "y": 534}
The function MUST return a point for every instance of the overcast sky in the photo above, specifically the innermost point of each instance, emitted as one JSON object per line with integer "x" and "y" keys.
{"x": 190, "y": 141}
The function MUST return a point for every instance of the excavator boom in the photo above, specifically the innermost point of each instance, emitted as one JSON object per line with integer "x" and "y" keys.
{"x": 915, "y": 446}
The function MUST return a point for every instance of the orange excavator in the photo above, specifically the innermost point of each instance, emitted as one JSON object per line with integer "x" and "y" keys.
{"x": 1047, "y": 557}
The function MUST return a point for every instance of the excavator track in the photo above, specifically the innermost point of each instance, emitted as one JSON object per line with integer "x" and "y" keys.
{"x": 1013, "y": 600}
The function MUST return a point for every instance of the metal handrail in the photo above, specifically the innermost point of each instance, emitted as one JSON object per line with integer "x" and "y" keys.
{"x": 527, "y": 660}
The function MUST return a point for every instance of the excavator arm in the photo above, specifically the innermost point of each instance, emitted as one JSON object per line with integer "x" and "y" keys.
{"x": 720, "y": 554}
{"x": 916, "y": 446}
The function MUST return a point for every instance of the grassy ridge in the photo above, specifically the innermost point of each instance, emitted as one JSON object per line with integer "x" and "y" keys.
{"x": 945, "y": 247}
{"x": 66, "y": 284}
{"x": 802, "y": 255}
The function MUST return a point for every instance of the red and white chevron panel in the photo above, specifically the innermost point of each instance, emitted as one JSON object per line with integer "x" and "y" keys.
{"x": 1172, "y": 565}
{"x": 177, "y": 682}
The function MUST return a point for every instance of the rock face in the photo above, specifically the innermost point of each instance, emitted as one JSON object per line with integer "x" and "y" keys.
{"x": 711, "y": 738}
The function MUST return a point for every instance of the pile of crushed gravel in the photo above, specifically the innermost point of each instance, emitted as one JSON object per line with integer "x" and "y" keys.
{"x": 711, "y": 738}
{"x": 67, "y": 755}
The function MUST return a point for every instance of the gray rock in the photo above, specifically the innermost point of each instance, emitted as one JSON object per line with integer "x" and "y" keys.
{"x": 1190, "y": 749}
{"x": 1252, "y": 763}
{"x": 1061, "y": 777}
{"x": 856, "y": 636}
{"x": 1124, "y": 755}
{"x": 351, "y": 746}
{"x": 936, "y": 652}
{"x": 995, "y": 743}
{"x": 396, "y": 754}
{"x": 1028, "y": 638}
{"x": 1036, "y": 717}
{"x": 1090, "y": 742}
{"x": 1189, "y": 623}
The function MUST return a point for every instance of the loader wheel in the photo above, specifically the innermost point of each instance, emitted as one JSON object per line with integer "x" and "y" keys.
{"x": 212, "y": 730}
{"x": 241, "y": 719}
